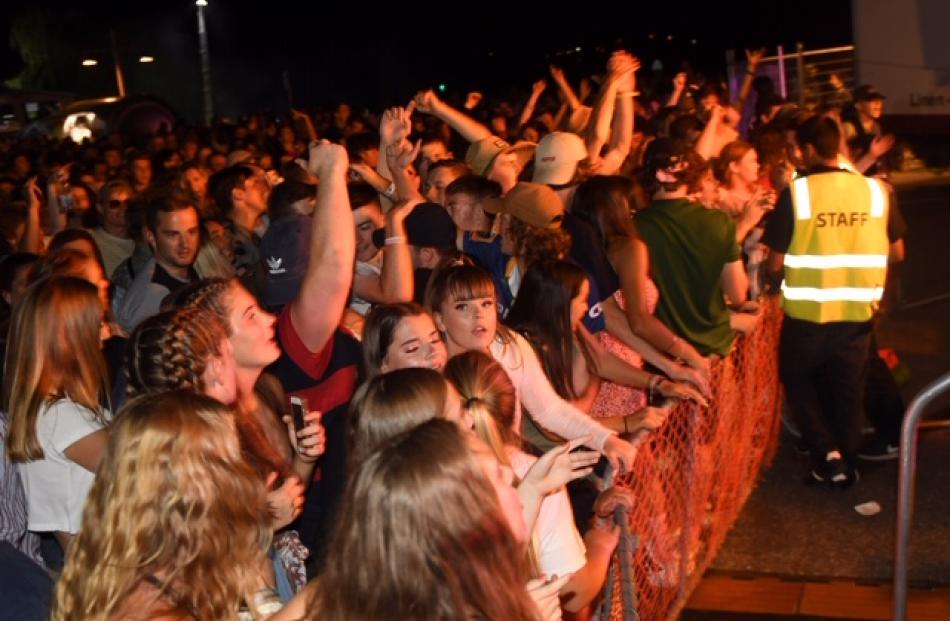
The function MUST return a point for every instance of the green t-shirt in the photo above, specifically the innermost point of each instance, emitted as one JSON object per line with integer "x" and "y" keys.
{"x": 688, "y": 246}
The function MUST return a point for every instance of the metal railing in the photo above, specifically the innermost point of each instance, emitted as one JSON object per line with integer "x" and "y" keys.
{"x": 802, "y": 76}
{"x": 905, "y": 488}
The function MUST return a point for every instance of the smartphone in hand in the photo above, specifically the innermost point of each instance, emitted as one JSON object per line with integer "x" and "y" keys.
{"x": 299, "y": 408}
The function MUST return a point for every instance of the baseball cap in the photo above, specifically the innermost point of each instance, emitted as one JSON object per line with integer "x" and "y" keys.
{"x": 532, "y": 203}
{"x": 428, "y": 225}
{"x": 282, "y": 198}
{"x": 482, "y": 153}
{"x": 285, "y": 250}
{"x": 664, "y": 153}
{"x": 867, "y": 92}
{"x": 556, "y": 158}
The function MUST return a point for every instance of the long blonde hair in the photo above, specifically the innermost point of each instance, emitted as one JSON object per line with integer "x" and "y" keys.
{"x": 173, "y": 502}
{"x": 53, "y": 353}
{"x": 489, "y": 396}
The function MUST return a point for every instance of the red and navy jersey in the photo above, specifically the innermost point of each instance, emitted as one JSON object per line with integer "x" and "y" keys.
{"x": 327, "y": 379}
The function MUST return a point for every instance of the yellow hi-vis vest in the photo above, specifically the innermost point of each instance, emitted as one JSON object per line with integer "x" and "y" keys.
{"x": 836, "y": 262}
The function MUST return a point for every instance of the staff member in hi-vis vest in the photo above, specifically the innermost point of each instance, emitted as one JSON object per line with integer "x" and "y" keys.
{"x": 832, "y": 234}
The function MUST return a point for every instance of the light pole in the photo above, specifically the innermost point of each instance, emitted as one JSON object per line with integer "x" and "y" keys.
{"x": 205, "y": 62}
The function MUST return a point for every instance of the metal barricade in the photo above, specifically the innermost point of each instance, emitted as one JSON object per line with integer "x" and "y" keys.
{"x": 905, "y": 488}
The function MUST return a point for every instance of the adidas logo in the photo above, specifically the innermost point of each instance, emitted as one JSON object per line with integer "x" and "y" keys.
{"x": 274, "y": 265}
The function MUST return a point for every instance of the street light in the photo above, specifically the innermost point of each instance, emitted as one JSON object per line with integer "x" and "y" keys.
{"x": 89, "y": 62}
{"x": 205, "y": 61}
{"x": 146, "y": 59}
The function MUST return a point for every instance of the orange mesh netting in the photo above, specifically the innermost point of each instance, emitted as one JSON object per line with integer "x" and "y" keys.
{"x": 692, "y": 477}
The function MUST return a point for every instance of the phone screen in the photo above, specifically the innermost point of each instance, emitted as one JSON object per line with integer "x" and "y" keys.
{"x": 298, "y": 407}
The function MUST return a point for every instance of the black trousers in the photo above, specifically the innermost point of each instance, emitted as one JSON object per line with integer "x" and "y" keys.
{"x": 822, "y": 367}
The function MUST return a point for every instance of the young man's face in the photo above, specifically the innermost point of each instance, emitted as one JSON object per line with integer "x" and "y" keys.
{"x": 114, "y": 210}
{"x": 872, "y": 109}
{"x": 436, "y": 182}
{"x": 466, "y": 212}
{"x": 366, "y": 219}
{"x": 176, "y": 238}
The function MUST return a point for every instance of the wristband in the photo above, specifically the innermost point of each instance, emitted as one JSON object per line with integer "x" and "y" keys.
{"x": 390, "y": 191}
{"x": 395, "y": 241}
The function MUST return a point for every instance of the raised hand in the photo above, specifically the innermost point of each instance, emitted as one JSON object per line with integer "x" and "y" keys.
{"x": 538, "y": 87}
{"x": 754, "y": 57}
{"x": 881, "y": 145}
{"x": 679, "y": 81}
{"x": 400, "y": 155}
{"x": 327, "y": 159}
{"x": 427, "y": 101}
{"x": 473, "y": 99}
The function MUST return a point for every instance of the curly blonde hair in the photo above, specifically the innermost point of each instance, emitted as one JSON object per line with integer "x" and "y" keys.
{"x": 174, "y": 509}
{"x": 171, "y": 350}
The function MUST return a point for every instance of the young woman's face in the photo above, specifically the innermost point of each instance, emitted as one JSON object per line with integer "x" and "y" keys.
{"x": 579, "y": 305}
{"x": 468, "y": 324}
{"x": 416, "y": 343}
{"x": 747, "y": 168}
{"x": 454, "y": 411}
{"x": 252, "y": 330}
{"x": 502, "y": 479}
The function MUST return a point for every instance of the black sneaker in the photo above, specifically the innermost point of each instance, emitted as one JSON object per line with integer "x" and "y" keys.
{"x": 834, "y": 472}
{"x": 875, "y": 449}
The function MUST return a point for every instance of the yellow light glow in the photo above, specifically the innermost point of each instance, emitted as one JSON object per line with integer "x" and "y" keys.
{"x": 90, "y": 62}
{"x": 147, "y": 59}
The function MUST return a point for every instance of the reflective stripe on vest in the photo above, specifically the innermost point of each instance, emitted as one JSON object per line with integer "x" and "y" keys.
{"x": 836, "y": 262}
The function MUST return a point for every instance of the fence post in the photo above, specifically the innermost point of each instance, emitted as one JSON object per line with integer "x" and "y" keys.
{"x": 782, "y": 84}
{"x": 905, "y": 488}
{"x": 800, "y": 70}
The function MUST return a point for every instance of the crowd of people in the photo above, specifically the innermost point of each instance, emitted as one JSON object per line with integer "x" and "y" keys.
{"x": 381, "y": 367}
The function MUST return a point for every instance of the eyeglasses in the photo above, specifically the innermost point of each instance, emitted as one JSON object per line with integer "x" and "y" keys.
{"x": 115, "y": 203}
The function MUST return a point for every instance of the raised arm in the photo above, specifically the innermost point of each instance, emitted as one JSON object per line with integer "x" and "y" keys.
{"x": 753, "y": 58}
{"x": 536, "y": 89}
{"x": 394, "y": 127}
{"x": 679, "y": 87}
{"x": 706, "y": 145}
{"x": 303, "y": 117}
{"x": 565, "y": 87}
{"x": 470, "y": 129}
{"x": 32, "y": 236}
{"x": 598, "y": 129}
{"x": 621, "y": 129}
{"x": 317, "y": 309}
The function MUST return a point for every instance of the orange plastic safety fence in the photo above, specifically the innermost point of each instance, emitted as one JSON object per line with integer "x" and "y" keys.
{"x": 692, "y": 477}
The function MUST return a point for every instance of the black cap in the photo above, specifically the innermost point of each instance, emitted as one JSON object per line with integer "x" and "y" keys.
{"x": 665, "y": 153}
{"x": 866, "y": 92}
{"x": 428, "y": 225}
{"x": 286, "y": 194}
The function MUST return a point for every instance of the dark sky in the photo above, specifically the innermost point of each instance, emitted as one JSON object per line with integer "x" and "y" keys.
{"x": 377, "y": 55}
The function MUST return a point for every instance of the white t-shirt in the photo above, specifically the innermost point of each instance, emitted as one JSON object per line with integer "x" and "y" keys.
{"x": 55, "y": 486}
{"x": 535, "y": 393}
{"x": 561, "y": 550}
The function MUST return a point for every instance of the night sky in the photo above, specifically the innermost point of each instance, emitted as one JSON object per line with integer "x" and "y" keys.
{"x": 380, "y": 55}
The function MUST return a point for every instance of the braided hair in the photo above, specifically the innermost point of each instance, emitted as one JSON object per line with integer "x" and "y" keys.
{"x": 171, "y": 350}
